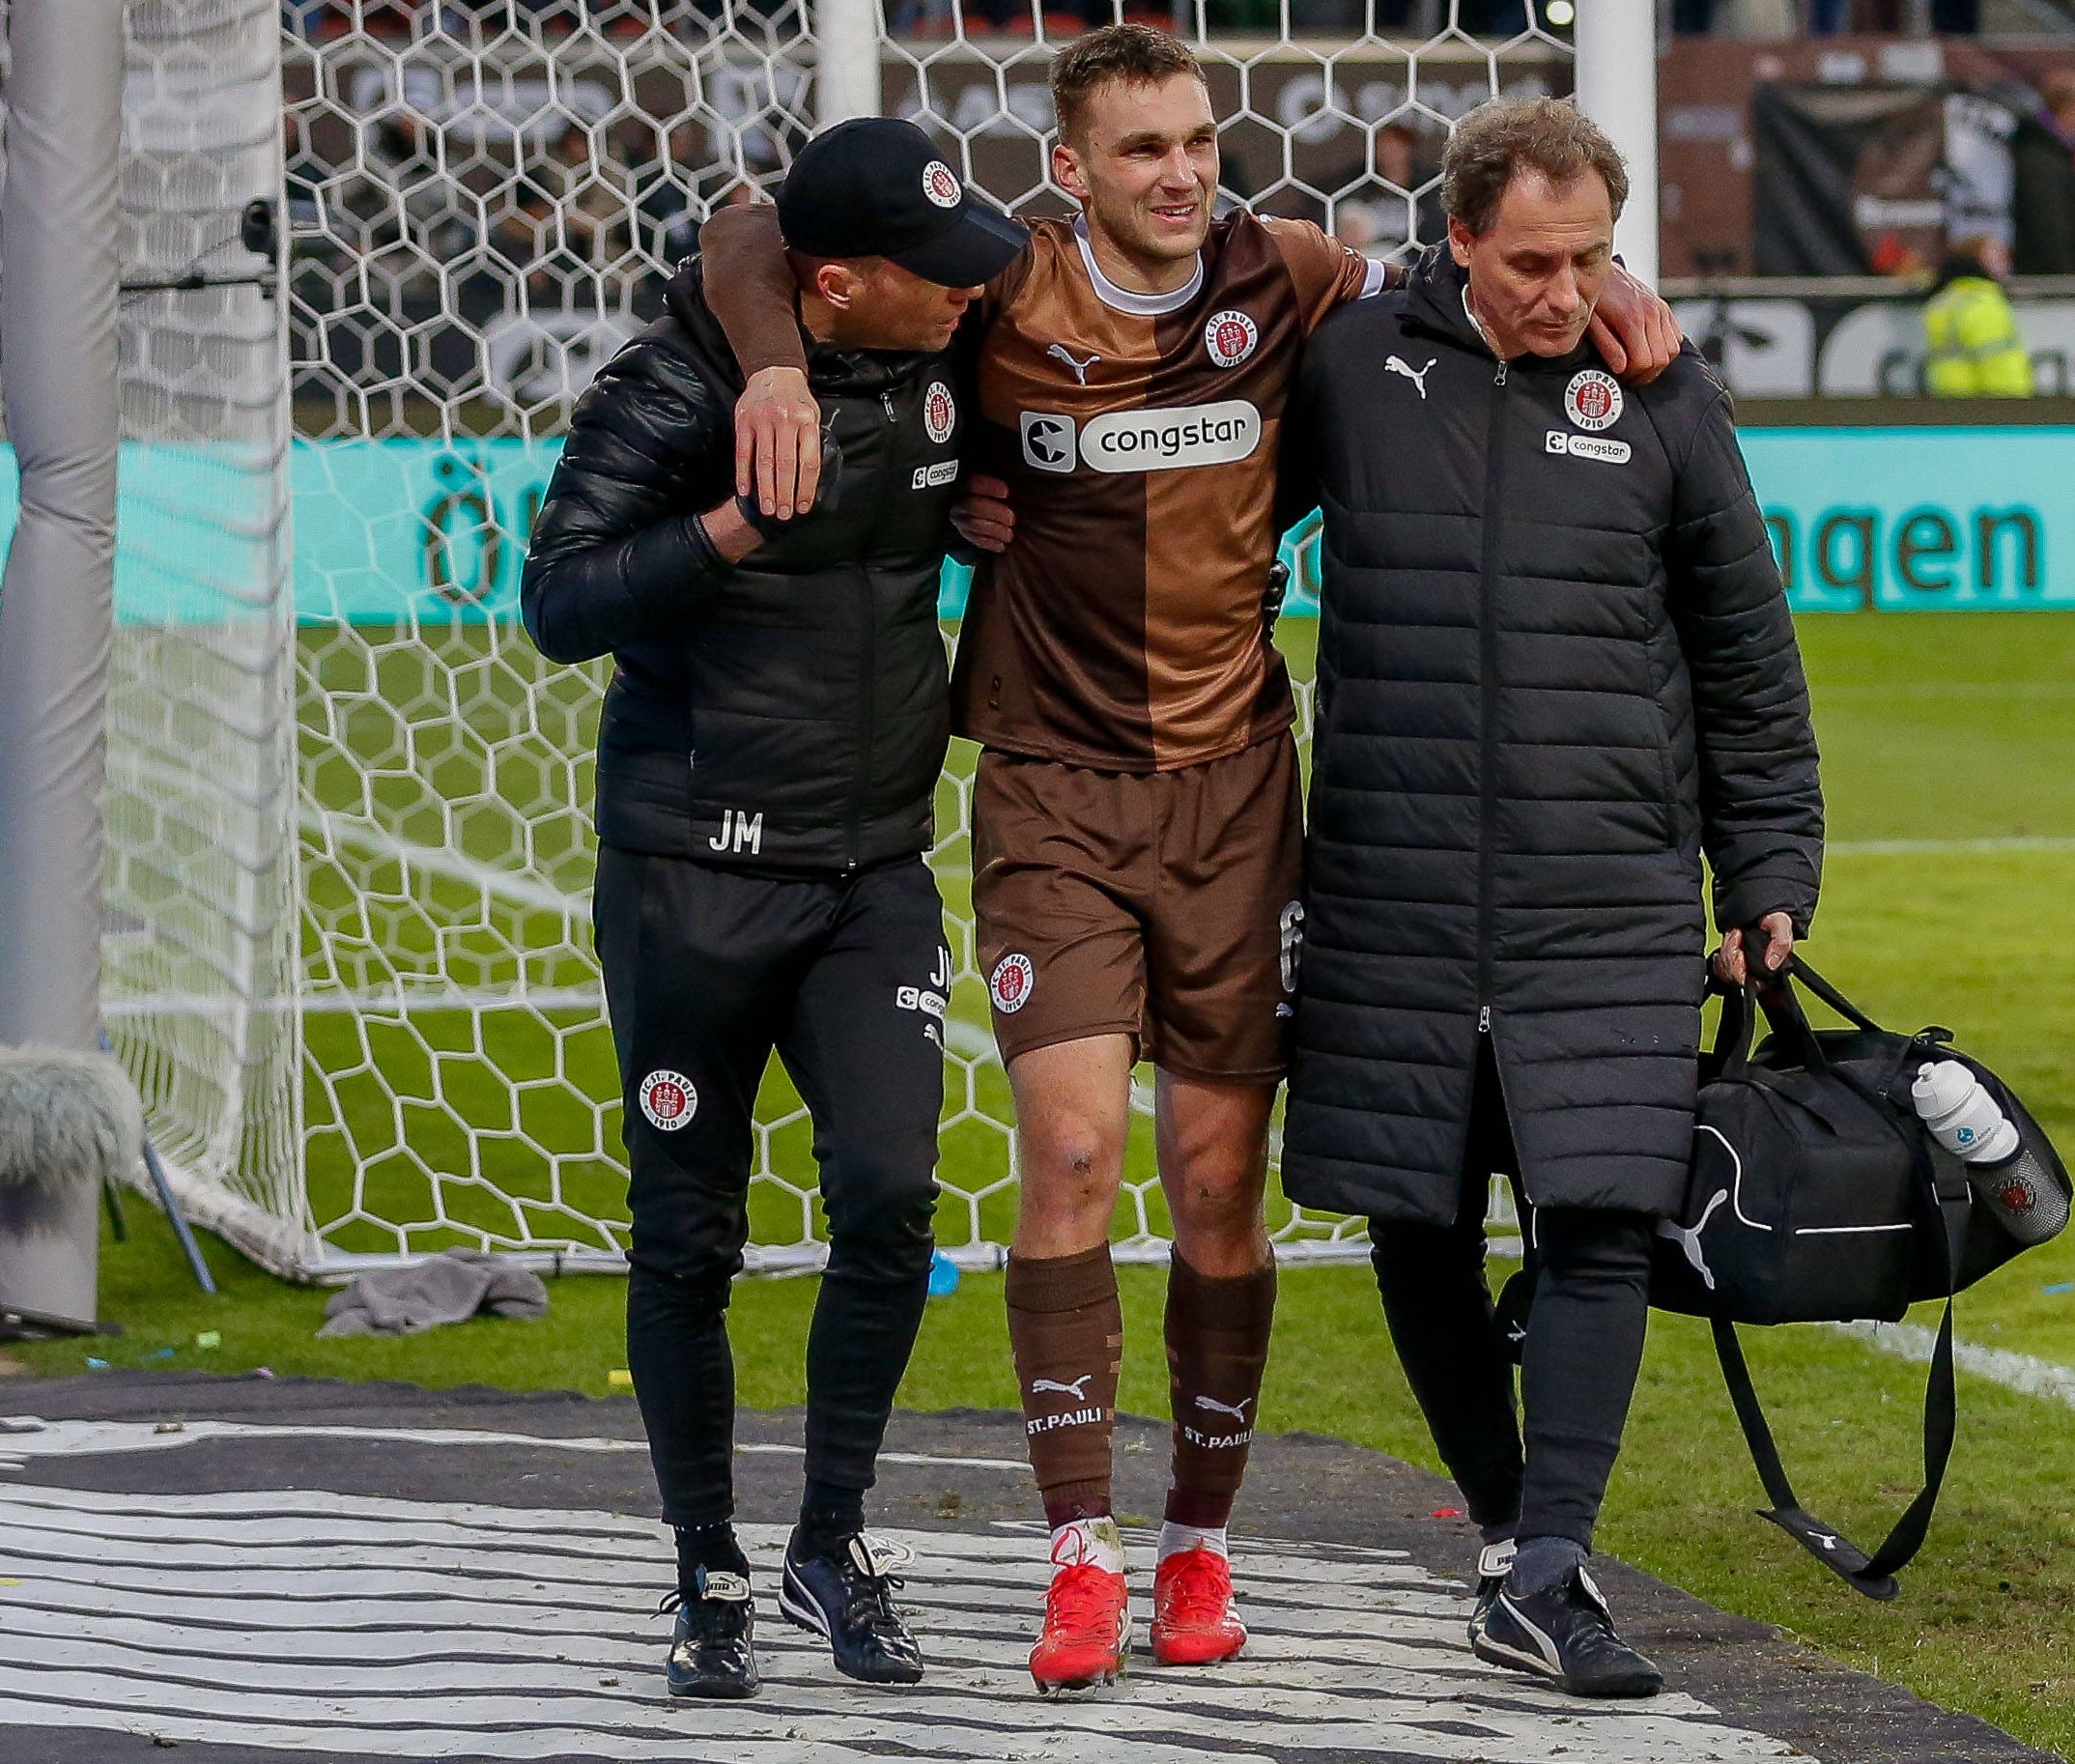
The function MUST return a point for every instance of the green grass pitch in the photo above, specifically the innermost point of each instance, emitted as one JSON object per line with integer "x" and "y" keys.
{"x": 1946, "y": 743}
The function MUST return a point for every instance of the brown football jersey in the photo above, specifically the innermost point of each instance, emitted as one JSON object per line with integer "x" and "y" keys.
{"x": 1123, "y": 628}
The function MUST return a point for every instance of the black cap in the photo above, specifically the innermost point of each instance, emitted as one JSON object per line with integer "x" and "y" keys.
{"x": 876, "y": 186}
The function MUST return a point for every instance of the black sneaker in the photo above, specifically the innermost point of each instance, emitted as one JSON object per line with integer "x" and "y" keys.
{"x": 712, "y": 1651}
{"x": 847, "y": 1596}
{"x": 1564, "y": 1633}
{"x": 1494, "y": 1562}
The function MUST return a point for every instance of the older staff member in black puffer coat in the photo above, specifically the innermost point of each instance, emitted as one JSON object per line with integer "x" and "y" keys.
{"x": 1555, "y": 668}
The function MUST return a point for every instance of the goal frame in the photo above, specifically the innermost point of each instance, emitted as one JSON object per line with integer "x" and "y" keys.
{"x": 858, "y": 66}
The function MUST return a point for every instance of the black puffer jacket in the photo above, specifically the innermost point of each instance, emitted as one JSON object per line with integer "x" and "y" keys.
{"x": 1555, "y": 667}
{"x": 788, "y": 713}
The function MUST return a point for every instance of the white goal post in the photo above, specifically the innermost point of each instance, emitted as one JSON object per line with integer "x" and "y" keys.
{"x": 347, "y": 941}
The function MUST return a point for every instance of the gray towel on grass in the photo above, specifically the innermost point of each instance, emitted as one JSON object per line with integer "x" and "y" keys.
{"x": 449, "y": 1288}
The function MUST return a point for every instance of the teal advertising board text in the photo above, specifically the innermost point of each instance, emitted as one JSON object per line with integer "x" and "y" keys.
{"x": 1884, "y": 520}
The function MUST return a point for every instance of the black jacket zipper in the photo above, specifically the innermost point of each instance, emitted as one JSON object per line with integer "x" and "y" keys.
{"x": 1488, "y": 690}
{"x": 868, "y": 643}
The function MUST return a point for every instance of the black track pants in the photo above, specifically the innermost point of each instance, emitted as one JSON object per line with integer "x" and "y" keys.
{"x": 707, "y": 971}
{"x": 1590, "y": 1276}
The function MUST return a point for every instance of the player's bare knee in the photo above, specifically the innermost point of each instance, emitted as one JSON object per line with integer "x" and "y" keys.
{"x": 1223, "y": 1213}
{"x": 1218, "y": 1212}
{"x": 1074, "y": 1154}
{"x": 1072, "y": 1181}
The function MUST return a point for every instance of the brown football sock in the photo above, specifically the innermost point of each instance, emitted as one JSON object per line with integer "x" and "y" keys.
{"x": 1218, "y": 1346}
{"x": 1066, "y": 1330}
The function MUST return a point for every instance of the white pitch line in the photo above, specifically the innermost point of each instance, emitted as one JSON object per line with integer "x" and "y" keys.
{"x": 1359, "y": 1652}
{"x": 1908, "y": 848}
{"x": 2036, "y": 1378}
{"x": 2000, "y": 690}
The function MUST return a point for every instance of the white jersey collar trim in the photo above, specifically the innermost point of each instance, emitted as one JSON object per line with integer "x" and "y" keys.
{"x": 1122, "y": 299}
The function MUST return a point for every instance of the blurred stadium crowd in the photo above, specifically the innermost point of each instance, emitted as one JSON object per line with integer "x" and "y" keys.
{"x": 489, "y": 194}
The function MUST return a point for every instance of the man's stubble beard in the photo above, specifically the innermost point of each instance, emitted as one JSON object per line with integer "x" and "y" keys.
{"x": 1128, "y": 227}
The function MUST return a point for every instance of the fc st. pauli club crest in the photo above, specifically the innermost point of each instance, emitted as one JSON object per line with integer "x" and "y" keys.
{"x": 1592, "y": 400}
{"x": 939, "y": 413}
{"x": 669, "y": 1100}
{"x": 1010, "y": 983}
{"x": 1230, "y": 337}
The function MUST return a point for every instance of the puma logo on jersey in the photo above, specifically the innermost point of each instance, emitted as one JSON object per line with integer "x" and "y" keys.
{"x": 1237, "y": 1411}
{"x": 1417, "y": 377}
{"x": 1077, "y": 1390}
{"x": 1059, "y": 352}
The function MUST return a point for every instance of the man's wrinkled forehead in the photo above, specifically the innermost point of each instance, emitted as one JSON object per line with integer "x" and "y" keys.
{"x": 1564, "y": 219}
{"x": 1128, "y": 113}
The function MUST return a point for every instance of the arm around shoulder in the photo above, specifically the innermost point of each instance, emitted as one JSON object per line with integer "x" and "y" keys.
{"x": 751, "y": 289}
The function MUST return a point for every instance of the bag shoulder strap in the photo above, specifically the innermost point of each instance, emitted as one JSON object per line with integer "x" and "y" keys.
{"x": 1829, "y": 994}
{"x": 1874, "y": 1575}
{"x": 1733, "y": 1032}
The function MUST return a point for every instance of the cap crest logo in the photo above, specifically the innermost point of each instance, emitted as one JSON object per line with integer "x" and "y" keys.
{"x": 1231, "y": 336}
{"x": 940, "y": 184}
{"x": 1592, "y": 400}
{"x": 939, "y": 414}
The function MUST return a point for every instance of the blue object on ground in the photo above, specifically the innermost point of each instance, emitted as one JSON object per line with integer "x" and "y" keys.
{"x": 2060, "y": 1286}
{"x": 943, "y": 1275}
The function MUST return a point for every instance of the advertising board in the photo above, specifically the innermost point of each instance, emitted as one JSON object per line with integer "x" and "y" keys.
{"x": 1861, "y": 520}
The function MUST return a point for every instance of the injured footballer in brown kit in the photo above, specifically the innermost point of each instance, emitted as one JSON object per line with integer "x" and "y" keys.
{"x": 1137, "y": 823}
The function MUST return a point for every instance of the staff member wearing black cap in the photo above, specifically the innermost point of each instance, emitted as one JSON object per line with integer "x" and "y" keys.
{"x": 767, "y": 763}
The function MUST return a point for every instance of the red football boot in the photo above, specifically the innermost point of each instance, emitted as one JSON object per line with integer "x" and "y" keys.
{"x": 1087, "y": 1627}
{"x": 1194, "y": 1620}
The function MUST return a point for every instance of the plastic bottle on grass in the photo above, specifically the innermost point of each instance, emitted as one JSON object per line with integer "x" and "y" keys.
{"x": 943, "y": 1275}
{"x": 1964, "y": 1119}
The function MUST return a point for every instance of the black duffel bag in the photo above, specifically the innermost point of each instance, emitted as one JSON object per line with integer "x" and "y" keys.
{"x": 1818, "y": 1195}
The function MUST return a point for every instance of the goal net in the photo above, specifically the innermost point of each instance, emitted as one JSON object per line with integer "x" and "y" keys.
{"x": 200, "y": 962}
{"x": 349, "y": 933}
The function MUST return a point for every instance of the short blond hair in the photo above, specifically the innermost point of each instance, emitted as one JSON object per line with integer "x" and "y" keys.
{"x": 1137, "y": 54}
{"x": 1504, "y": 137}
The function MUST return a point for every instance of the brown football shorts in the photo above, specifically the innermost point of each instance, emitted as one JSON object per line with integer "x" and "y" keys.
{"x": 1165, "y": 905}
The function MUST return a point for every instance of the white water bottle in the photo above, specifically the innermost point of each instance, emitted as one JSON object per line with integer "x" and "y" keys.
{"x": 1965, "y": 1119}
{"x": 1961, "y": 1115}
